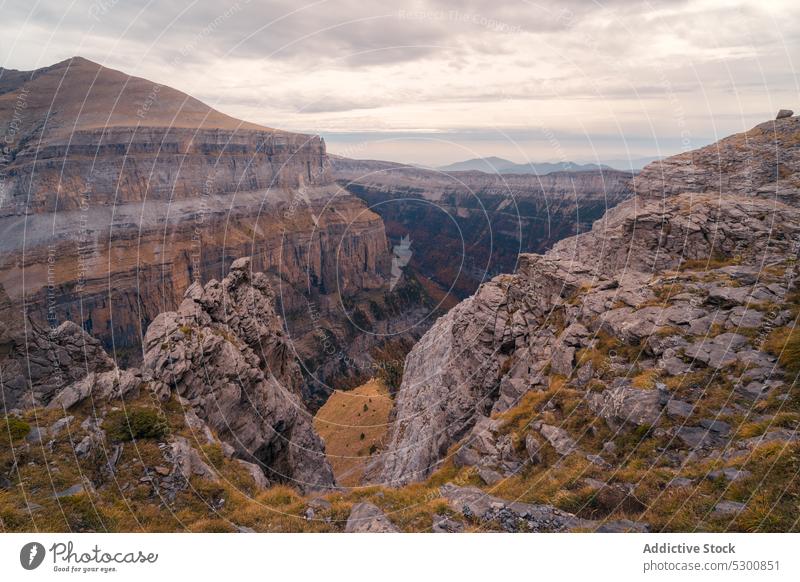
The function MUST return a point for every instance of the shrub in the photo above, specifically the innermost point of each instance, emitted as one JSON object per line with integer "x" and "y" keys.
{"x": 135, "y": 423}
{"x": 17, "y": 428}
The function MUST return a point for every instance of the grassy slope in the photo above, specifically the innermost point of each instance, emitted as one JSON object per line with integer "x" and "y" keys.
{"x": 352, "y": 423}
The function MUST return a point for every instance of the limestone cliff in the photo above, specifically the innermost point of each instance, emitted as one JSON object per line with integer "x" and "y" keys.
{"x": 118, "y": 193}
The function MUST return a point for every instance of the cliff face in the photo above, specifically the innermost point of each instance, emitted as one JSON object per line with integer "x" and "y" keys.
{"x": 219, "y": 370}
{"x": 470, "y": 226}
{"x": 679, "y": 307}
{"x": 118, "y": 193}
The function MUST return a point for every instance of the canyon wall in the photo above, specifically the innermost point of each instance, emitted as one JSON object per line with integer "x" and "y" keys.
{"x": 118, "y": 193}
{"x": 467, "y": 227}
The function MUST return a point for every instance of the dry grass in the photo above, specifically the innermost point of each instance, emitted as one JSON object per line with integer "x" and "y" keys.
{"x": 353, "y": 425}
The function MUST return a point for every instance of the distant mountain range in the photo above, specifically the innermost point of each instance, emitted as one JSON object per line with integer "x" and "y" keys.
{"x": 495, "y": 165}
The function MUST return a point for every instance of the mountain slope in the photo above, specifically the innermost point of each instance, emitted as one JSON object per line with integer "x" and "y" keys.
{"x": 649, "y": 354}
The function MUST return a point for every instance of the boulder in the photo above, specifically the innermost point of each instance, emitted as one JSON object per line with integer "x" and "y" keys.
{"x": 624, "y": 404}
{"x": 368, "y": 518}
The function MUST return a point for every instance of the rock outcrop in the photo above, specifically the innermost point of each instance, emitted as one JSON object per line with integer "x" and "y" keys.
{"x": 677, "y": 279}
{"x": 38, "y": 360}
{"x": 224, "y": 352}
{"x": 223, "y": 356}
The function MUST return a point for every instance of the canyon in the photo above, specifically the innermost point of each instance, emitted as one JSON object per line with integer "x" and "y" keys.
{"x": 615, "y": 352}
{"x": 471, "y": 226}
{"x": 118, "y": 193}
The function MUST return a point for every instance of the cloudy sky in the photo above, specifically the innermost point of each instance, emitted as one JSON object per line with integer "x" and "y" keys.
{"x": 435, "y": 81}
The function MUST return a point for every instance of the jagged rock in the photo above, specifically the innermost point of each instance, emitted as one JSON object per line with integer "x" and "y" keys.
{"x": 38, "y": 361}
{"x": 446, "y": 524}
{"x": 511, "y": 515}
{"x": 188, "y": 461}
{"x": 558, "y": 438}
{"x": 784, "y": 113}
{"x": 494, "y": 454}
{"x": 623, "y": 404}
{"x": 561, "y": 360}
{"x": 679, "y": 408}
{"x": 368, "y": 518}
{"x": 225, "y": 354}
{"x": 719, "y": 351}
{"x": 612, "y": 280}
{"x": 534, "y": 449}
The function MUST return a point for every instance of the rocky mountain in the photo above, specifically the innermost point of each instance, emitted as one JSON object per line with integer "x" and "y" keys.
{"x": 466, "y": 227}
{"x": 656, "y": 352}
{"x": 495, "y": 165}
{"x": 218, "y": 371}
{"x": 119, "y": 193}
{"x": 641, "y": 376}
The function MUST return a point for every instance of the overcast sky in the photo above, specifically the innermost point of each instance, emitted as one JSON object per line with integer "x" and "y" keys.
{"x": 437, "y": 81}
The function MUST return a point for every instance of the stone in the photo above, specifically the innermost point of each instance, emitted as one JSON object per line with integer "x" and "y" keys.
{"x": 489, "y": 476}
{"x": 512, "y": 516}
{"x": 680, "y": 482}
{"x": 696, "y": 437}
{"x": 256, "y": 472}
{"x": 728, "y": 509}
{"x": 678, "y": 408}
{"x": 561, "y": 360}
{"x": 368, "y": 518}
{"x": 784, "y": 113}
{"x": 624, "y": 404}
{"x": 58, "y": 426}
{"x": 446, "y": 524}
{"x": 534, "y": 449}
{"x": 69, "y": 492}
{"x": 729, "y": 474}
{"x": 559, "y": 439}
{"x": 188, "y": 460}
{"x": 717, "y": 426}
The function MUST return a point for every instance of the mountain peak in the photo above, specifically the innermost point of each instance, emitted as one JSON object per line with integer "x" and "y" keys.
{"x": 79, "y": 94}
